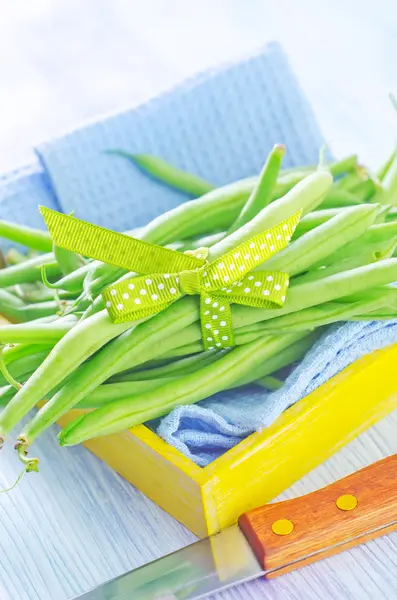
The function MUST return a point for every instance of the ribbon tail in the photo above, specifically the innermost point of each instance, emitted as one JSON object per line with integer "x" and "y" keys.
{"x": 216, "y": 322}
{"x": 140, "y": 297}
{"x": 114, "y": 248}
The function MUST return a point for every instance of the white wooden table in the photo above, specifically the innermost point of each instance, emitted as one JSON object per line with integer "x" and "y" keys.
{"x": 78, "y": 523}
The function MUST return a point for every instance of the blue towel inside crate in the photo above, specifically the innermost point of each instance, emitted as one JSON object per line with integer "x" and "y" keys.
{"x": 219, "y": 125}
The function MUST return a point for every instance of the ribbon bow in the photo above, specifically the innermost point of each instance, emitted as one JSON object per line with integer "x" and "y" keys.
{"x": 167, "y": 275}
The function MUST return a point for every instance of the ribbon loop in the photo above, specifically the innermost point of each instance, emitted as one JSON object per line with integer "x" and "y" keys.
{"x": 190, "y": 282}
{"x": 167, "y": 274}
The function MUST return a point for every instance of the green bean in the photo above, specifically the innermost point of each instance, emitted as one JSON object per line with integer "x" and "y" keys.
{"x": 206, "y": 241}
{"x": 320, "y": 315}
{"x": 353, "y": 178}
{"x": 166, "y": 173}
{"x": 270, "y": 383}
{"x": 7, "y": 377}
{"x": 74, "y": 348}
{"x": 314, "y": 219}
{"x": 35, "y": 333}
{"x": 386, "y": 166}
{"x": 376, "y": 234}
{"x": 6, "y": 393}
{"x": 10, "y": 305}
{"x": 186, "y": 350}
{"x": 368, "y": 254}
{"x": 346, "y": 165}
{"x": 292, "y": 353}
{"x": 388, "y": 193}
{"x": 179, "y": 367}
{"x": 110, "y": 392}
{"x": 94, "y": 308}
{"x": 24, "y": 366}
{"x": 27, "y": 236}
{"x": 322, "y": 241}
{"x": 383, "y": 214}
{"x": 39, "y": 293}
{"x": 304, "y": 295}
{"x": 364, "y": 191}
{"x": 14, "y": 309}
{"x": 28, "y": 271}
{"x": 262, "y": 193}
{"x": 70, "y": 283}
{"x": 107, "y": 393}
{"x": 68, "y": 261}
{"x": 377, "y": 315}
{"x": 186, "y": 390}
{"x": 307, "y": 194}
{"x": 337, "y": 198}
{"x": 13, "y": 352}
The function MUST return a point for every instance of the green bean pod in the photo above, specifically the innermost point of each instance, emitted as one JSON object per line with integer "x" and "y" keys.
{"x": 365, "y": 190}
{"x": 337, "y": 198}
{"x": 388, "y": 193}
{"x": 24, "y": 366}
{"x": 292, "y": 353}
{"x": 70, "y": 283}
{"x": 68, "y": 261}
{"x": 382, "y": 172}
{"x": 35, "y": 333}
{"x": 73, "y": 349}
{"x": 306, "y": 195}
{"x": 270, "y": 383}
{"x": 187, "y": 390}
{"x": 166, "y": 173}
{"x": 304, "y": 295}
{"x": 173, "y": 369}
{"x": 314, "y": 219}
{"x": 26, "y": 236}
{"x": 368, "y": 254}
{"x": 322, "y": 241}
{"x": 29, "y": 270}
{"x": 375, "y": 235}
{"x": 262, "y": 194}
{"x": 320, "y": 315}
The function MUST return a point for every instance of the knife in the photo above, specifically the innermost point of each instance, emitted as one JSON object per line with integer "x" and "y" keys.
{"x": 270, "y": 541}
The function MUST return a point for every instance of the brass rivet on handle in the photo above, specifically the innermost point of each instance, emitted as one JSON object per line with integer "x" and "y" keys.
{"x": 282, "y": 527}
{"x": 346, "y": 502}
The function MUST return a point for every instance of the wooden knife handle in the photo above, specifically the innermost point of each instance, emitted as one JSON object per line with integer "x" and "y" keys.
{"x": 291, "y": 534}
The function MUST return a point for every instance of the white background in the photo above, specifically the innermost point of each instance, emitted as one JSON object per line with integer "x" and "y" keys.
{"x": 63, "y": 62}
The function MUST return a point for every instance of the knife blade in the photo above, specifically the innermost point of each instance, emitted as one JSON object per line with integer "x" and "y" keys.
{"x": 270, "y": 540}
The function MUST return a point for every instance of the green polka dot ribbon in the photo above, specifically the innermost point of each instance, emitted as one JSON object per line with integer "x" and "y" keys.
{"x": 166, "y": 275}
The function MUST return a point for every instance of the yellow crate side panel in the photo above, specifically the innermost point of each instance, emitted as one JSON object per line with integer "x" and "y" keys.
{"x": 162, "y": 473}
{"x": 266, "y": 463}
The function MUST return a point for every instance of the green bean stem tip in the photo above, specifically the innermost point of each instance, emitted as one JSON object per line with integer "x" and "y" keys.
{"x": 31, "y": 464}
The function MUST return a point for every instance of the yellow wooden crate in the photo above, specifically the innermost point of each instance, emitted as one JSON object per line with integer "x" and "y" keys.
{"x": 208, "y": 499}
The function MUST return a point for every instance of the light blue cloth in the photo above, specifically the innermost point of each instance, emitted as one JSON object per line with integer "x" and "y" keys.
{"x": 220, "y": 125}
{"x": 205, "y": 430}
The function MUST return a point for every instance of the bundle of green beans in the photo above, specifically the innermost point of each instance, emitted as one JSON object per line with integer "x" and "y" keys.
{"x": 60, "y": 349}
